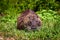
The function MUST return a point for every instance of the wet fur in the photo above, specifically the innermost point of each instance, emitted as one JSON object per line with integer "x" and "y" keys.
{"x": 28, "y": 20}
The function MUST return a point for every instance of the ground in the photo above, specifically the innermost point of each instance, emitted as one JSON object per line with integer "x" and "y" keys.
{"x": 50, "y": 29}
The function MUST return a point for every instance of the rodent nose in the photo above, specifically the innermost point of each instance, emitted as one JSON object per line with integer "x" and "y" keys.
{"x": 33, "y": 27}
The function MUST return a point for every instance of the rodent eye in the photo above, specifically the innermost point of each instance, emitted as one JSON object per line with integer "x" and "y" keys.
{"x": 29, "y": 17}
{"x": 29, "y": 23}
{"x": 36, "y": 21}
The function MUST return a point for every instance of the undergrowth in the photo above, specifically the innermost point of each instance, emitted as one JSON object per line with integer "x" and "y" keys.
{"x": 50, "y": 29}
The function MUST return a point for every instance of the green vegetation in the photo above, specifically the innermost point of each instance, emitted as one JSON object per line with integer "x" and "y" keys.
{"x": 47, "y": 10}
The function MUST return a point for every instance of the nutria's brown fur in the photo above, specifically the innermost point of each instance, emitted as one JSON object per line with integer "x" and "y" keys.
{"x": 28, "y": 20}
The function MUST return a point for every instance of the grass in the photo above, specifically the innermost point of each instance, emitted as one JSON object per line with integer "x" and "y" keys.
{"x": 50, "y": 29}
